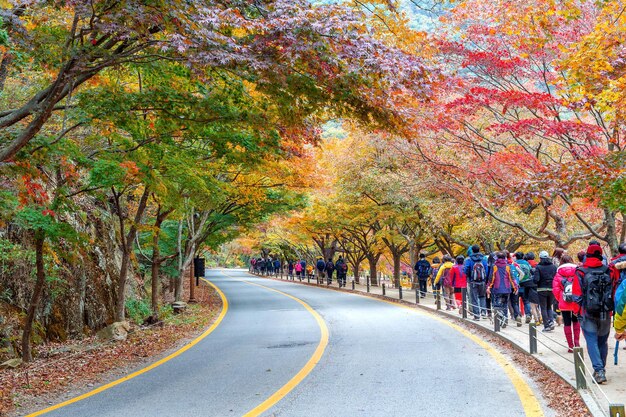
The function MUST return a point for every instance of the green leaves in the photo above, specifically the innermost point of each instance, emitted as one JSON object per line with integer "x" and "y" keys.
{"x": 42, "y": 220}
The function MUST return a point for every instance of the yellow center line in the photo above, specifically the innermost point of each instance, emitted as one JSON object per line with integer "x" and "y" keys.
{"x": 149, "y": 367}
{"x": 530, "y": 403}
{"x": 306, "y": 369}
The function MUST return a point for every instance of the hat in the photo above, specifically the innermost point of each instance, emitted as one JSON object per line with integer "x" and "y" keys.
{"x": 594, "y": 251}
{"x": 543, "y": 255}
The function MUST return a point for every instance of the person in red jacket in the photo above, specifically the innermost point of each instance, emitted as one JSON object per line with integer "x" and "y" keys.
{"x": 459, "y": 281}
{"x": 592, "y": 291}
{"x": 562, "y": 290}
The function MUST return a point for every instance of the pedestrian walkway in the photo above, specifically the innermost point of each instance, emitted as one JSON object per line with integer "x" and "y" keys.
{"x": 551, "y": 348}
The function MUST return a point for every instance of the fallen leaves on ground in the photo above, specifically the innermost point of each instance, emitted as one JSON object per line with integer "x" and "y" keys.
{"x": 62, "y": 367}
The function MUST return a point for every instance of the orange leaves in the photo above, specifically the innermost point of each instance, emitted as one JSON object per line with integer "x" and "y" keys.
{"x": 131, "y": 169}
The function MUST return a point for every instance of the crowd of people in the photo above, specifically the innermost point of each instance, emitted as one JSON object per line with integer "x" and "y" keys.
{"x": 582, "y": 294}
{"x": 298, "y": 269}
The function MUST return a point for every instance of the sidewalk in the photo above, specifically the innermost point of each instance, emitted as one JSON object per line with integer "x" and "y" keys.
{"x": 551, "y": 348}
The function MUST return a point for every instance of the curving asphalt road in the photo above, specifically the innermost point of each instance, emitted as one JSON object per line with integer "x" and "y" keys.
{"x": 381, "y": 360}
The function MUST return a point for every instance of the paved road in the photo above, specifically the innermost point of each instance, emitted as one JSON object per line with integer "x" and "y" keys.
{"x": 381, "y": 360}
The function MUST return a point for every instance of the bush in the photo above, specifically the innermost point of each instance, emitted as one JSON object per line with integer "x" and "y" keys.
{"x": 137, "y": 310}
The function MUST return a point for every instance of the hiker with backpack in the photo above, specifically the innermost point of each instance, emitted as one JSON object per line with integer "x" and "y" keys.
{"x": 544, "y": 276}
{"x": 320, "y": 265}
{"x": 516, "y": 272}
{"x": 434, "y": 270}
{"x": 422, "y": 272}
{"x": 476, "y": 272}
{"x": 330, "y": 268}
{"x": 342, "y": 271}
{"x": 443, "y": 278}
{"x": 528, "y": 288}
{"x": 562, "y": 289}
{"x": 593, "y": 293}
{"x": 459, "y": 281}
{"x": 500, "y": 287}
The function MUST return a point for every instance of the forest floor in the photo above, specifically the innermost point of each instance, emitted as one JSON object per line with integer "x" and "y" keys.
{"x": 76, "y": 365}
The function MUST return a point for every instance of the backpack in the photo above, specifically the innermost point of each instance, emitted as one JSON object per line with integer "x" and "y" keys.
{"x": 446, "y": 277}
{"x": 567, "y": 290}
{"x": 321, "y": 265}
{"x": 423, "y": 270}
{"x": 330, "y": 267}
{"x": 597, "y": 291}
{"x": 478, "y": 272}
{"x": 527, "y": 272}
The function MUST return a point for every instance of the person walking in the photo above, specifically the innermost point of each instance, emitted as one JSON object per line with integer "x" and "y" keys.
{"x": 434, "y": 270}
{"x": 277, "y": 266}
{"x": 290, "y": 270}
{"x": 298, "y": 269}
{"x": 330, "y": 268}
{"x": 342, "y": 271}
{"x": 619, "y": 267}
{"x": 500, "y": 287}
{"x": 514, "y": 296}
{"x": 475, "y": 269}
{"x": 320, "y": 265}
{"x": 562, "y": 289}
{"x": 459, "y": 281}
{"x": 593, "y": 293}
{"x": 443, "y": 279}
{"x": 422, "y": 272}
{"x": 544, "y": 276}
{"x": 525, "y": 281}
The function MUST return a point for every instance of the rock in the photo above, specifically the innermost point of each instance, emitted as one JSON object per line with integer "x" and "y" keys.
{"x": 179, "y": 306}
{"x": 11, "y": 363}
{"x": 116, "y": 331}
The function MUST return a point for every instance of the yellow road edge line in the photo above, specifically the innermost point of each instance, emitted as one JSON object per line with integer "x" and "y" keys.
{"x": 530, "y": 403}
{"x": 306, "y": 369}
{"x": 149, "y": 367}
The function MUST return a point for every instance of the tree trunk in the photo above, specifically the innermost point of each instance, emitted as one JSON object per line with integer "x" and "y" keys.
{"x": 397, "y": 258}
{"x": 155, "y": 266}
{"x": 34, "y": 301}
{"x": 373, "y": 261}
{"x": 120, "y": 302}
{"x": 355, "y": 270}
{"x": 611, "y": 232}
{"x": 127, "y": 247}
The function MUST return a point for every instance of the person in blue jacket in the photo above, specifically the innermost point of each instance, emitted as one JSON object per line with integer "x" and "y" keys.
{"x": 477, "y": 272}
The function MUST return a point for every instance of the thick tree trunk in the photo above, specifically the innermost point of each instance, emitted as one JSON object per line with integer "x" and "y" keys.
{"x": 120, "y": 302}
{"x": 373, "y": 261}
{"x": 34, "y": 301}
{"x": 355, "y": 270}
{"x": 397, "y": 258}
{"x": 611, "y": 232}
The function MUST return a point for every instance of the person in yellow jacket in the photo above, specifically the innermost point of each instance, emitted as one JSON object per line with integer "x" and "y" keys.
{"x": 444, "y": 278}
{"x": 619, "y": 318}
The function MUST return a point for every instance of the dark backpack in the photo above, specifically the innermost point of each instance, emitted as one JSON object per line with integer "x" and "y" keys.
{"x": 321, "y": 265}
{"x": 597, "y": 291}
{"x": 478, "y": 272}
{"x": 423, "y": 270}
{"x": 330, "y": 267}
